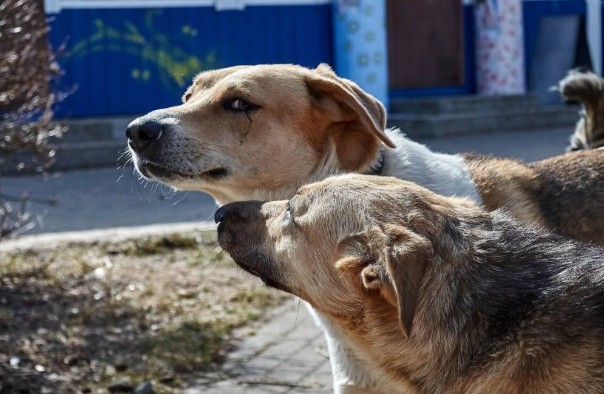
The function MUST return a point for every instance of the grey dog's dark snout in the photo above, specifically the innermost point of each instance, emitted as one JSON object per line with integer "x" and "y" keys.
{"x": 236, "y": 210}
{"x": 236, "y": 220}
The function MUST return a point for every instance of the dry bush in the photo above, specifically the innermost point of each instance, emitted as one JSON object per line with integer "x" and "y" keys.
{"x": 27, "y": 72}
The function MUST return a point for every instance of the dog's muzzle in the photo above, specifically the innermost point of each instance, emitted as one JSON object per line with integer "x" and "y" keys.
{"x": 240, "y": 232}
{"x": 234, "y": 217}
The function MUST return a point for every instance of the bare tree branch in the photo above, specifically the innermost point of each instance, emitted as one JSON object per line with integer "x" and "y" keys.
{"x": 27, "y": 100}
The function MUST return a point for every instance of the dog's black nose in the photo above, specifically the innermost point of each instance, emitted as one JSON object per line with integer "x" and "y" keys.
{"x": 143, "y": 134}
{"x": 219, "y": 215}
{"x": 242, "y": 210}
{"x": 227, "y": 211}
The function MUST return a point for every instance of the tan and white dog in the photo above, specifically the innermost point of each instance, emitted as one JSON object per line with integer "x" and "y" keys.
{"x": 260, "y": 132}
{"x": 432, "y": 294}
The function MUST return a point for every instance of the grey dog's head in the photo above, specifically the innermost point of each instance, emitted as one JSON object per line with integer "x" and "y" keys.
{"x": 346, "y": 241}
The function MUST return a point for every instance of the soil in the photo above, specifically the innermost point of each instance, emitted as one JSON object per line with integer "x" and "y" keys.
{"x": 98, "y": 318}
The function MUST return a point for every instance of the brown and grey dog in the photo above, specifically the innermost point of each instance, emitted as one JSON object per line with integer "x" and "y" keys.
{"x": 260, "y": 132}
{"x": 432, "y": 294}
{"x": 588, "y": 89}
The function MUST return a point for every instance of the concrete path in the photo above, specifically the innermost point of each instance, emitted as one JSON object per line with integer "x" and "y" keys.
{"x": 105, "y": 198}
{"x": 287, "y": 354}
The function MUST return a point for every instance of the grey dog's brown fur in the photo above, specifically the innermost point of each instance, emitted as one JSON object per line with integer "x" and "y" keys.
{"x": 434, "y": 294}
{"x": 588, "y": 89}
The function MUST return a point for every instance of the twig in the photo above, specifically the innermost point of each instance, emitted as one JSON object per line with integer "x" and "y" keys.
{"x": 262, "y": 382}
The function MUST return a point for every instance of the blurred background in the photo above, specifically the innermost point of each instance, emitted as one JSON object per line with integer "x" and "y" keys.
{"x": 129, "y": 57}
{"x": 489, "y": 61}
{"x": 76, "y": 72}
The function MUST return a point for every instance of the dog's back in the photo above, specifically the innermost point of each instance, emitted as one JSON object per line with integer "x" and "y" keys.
{"x": 572, "y": 199}
{"x": 527, "y": 313}
{"x": 564, "y": 193}
{"x": 553, "y": 320}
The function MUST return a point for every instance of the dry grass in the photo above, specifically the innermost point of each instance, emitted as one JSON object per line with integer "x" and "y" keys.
{"x": 83, "y": 317}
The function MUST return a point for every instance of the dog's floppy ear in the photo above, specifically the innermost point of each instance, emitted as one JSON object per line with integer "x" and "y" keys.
{"x": 361, "y": 251}
{"x": 408, "y": 257}
{"x": 392, "y": 261}
{"x": 356, "y": 117}
{"x": 373, "y": 106}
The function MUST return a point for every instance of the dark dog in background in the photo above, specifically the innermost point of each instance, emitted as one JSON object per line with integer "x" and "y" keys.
{"x": 431, "y": 294}
{"x": 586, "y": 88}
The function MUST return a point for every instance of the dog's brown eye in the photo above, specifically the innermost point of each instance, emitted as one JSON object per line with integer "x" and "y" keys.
{"x": 240, "y": 105}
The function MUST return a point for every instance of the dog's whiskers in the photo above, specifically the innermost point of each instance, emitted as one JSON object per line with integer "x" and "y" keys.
{"x": 297, "y": 313}
{"x": 216, "y": 259}
{"x": 184, "y": 195}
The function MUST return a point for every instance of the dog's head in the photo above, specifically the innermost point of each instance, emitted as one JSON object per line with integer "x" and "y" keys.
{"x": 348, "y": 243}
{"x": 588, "y": 89}
{"x": 267, "y": 127}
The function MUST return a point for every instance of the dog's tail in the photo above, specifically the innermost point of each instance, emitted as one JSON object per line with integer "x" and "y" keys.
{"x": 581, "y": 85}
{"x": 588, "y": 89}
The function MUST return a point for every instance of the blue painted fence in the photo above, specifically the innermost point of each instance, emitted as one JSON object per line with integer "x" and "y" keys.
{"x": 130, "y": 61}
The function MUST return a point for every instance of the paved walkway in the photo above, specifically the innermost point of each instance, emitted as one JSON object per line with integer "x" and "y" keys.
{"x": 287, "y": 354}
{"x": 105, "y": 198}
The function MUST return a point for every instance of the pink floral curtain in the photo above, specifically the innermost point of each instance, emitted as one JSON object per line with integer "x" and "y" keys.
{"x": 499, "y": 47}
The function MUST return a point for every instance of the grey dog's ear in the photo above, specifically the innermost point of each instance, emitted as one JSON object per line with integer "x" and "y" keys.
{"x": 361, "y": 251}
{"x": 408, "y": 257}
{"x": 356, "y": 119}
{"x": 392, "y": 261}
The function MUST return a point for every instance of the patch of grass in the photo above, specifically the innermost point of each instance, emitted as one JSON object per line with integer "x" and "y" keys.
{"x": 5, "y": 316}
{"x": 155, "y": 245}
{"x": 190, "y": 346}
{"x": 157, "y": 309}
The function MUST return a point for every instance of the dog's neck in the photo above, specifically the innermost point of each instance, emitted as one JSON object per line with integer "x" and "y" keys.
{"x": 441, "y": 173}
{"x": 419, "y": 363}
{"x": 377, "y": 168}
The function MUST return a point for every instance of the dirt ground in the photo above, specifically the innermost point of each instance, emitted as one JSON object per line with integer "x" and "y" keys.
{"x": 121, "y": 317}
